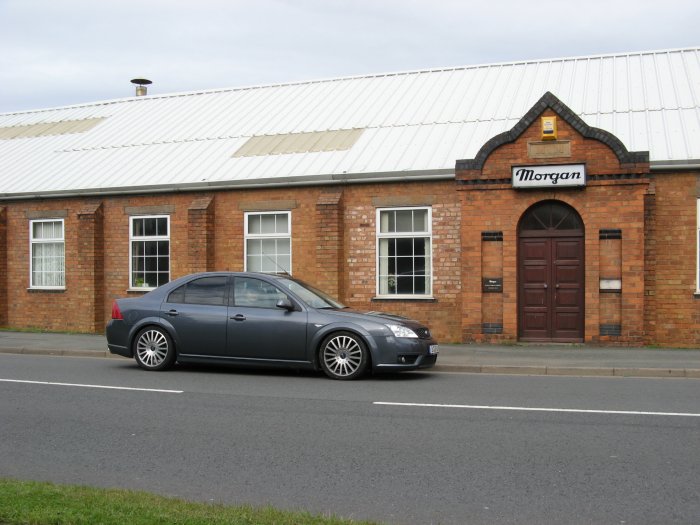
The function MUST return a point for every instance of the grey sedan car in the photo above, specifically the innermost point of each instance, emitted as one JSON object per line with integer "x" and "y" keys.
{"x": 263, "y": 320}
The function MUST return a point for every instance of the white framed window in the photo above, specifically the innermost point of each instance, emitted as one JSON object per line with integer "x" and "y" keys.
{"x": 268, "y": 242}
{"x": 404, "y": 252}
{"x": 149, "y": 251}
{"x": 47, "y": 267}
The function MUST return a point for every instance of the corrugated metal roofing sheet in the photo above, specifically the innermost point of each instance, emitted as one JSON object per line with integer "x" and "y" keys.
{"x": 417, "y": 122}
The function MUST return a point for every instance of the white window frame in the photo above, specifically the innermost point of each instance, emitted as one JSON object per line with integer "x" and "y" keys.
{"x": 406, "y": 235}
{"x": 266, "y": 236}
{"x": 53, "y": 240}
{"x": 154, "y": 238}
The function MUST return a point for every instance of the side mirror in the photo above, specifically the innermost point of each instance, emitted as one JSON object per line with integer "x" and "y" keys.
{"x": 285, "y": 304}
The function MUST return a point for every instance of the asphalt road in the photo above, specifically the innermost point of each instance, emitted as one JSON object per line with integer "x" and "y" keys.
{"x": 466, "y": 449}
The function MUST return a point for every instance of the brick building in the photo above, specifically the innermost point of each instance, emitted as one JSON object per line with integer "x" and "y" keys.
{"x": 551, "y": 201}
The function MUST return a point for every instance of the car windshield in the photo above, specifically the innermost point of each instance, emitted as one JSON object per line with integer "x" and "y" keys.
{"x": 311, "y": 296}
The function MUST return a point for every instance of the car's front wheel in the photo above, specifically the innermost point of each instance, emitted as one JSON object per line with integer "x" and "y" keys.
{"x": 153, "y": 349}
{"x": 344, "y": 356}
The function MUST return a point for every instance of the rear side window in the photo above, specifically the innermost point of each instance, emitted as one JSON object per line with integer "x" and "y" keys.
{"x": 205, "y": 290}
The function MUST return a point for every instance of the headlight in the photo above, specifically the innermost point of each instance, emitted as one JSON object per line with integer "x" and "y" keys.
{"x": 401, "y": 331}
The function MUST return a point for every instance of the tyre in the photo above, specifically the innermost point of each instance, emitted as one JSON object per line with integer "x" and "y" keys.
{"x": 154, "y": 349}
{"x": 344, "y": 356}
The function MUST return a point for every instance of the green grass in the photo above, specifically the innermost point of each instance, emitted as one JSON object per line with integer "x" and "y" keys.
{"x": 34, "y": 503}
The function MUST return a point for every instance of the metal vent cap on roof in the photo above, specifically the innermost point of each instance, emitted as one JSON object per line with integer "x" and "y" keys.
{"x": 141, "y": 86}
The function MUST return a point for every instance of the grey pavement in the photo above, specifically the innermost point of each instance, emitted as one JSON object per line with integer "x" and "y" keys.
{"x": 529, "y": 359}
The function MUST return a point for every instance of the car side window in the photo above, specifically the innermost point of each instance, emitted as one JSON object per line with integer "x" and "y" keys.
{"x": 205, "y": 290}
{"x": 255, "y": 293}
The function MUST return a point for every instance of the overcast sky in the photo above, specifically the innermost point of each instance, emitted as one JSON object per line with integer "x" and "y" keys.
{"x": 60, "y": 52}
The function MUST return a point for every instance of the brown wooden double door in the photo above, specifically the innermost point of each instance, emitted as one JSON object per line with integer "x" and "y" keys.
{"x": 551, "y": 290}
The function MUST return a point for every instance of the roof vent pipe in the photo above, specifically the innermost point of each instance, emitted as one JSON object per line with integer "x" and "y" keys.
{"x": 141, "y": 86}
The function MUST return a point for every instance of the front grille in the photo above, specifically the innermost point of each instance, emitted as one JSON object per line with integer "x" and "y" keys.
{"x": 423, "y": 333}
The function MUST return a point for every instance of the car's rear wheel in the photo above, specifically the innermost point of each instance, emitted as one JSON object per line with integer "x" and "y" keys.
{"x": 153, "y": 349}
{"x": 344, "y": 356}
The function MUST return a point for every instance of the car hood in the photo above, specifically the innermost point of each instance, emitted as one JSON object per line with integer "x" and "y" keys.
{"x": 377, "y": 317}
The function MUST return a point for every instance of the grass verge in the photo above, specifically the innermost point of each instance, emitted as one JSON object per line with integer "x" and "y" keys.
{"x": 34, "y": 503}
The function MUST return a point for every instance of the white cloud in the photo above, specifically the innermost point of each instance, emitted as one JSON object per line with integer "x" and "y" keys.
{"x": 74, "y": 51}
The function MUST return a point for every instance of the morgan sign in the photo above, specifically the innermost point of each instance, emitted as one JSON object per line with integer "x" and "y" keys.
{"x": 549, "y": 176}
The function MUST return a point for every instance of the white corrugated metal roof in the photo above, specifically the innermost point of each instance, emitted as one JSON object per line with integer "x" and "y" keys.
{"x": 414, "y": 123}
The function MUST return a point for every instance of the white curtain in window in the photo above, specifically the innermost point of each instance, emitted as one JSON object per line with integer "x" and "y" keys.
{"x": 48, "y": 266}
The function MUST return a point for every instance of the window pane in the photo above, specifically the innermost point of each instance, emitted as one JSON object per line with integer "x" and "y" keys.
{"x": 386, "y": 222}
{"x": 137, "y": 264}
{"x": 177, "y": 296}
{"x": 149, "y": 227}
{"x": 268, "y": 224}
{"x": 137, "y": 227}
{"x": 284, "y": 246}
{"x": 255, "y": 293}
{"x": 163, "y": 264}
{"x": 404, "y": 247}
{"x": 269, "y": 246}
{"x": 282, "y": 223}
{"x": 404, "y": 265}
{"x": 207, "y": 290}
{"x": 151, "y": 264}
{"x": 404, "y": 220}
{"x": 254, "y": 247}
{"x": 404, "y": 285}
{"x": 253, "y": 263}
{"x": 151, "y": 279}
{"x": 162, "y": 226}
{"x": 254, "y": 224}
{"x": 284, "y": 263}
{"x": 268, "y": 264}
{"x": 420, "y": 220}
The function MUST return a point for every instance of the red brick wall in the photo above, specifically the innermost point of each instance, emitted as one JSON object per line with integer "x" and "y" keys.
{"x": 48, "y": 309}
{"x": 490, "y": 203}
{"x": 362, "y": 202}
{"x": 672, "y": 249}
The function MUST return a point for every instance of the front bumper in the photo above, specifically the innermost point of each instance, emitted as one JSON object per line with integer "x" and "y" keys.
{"x": 400, "y": 353}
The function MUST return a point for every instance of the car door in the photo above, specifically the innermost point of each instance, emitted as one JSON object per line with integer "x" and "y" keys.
{"x": 258, "y": 329}
{"x": 197, "y": 312}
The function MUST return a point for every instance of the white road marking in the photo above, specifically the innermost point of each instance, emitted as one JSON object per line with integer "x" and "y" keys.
{"x": 93, "y": 386}
{"x": 535, "y": 409}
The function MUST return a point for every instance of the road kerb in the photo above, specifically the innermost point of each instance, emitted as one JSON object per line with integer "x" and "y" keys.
{"x": 650, "y": 372}
{"x": 578, "y": 371}
{"x": 524, "y": 370}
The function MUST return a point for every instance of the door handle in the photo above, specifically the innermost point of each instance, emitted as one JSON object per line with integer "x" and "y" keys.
{"x": 238, "y": 317}
{"x": 545, "y": 285}
{"x": 173, "y": 313}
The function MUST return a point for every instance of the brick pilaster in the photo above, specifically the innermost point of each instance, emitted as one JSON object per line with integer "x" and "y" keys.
{"x": 3, "y": 267}
{"x": 90, "y": 265}
{"x": 329, "y": 242}
{"x": 200, "y": 235}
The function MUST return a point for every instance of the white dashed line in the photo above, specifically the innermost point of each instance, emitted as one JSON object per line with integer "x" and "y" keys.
{"x": 93, "y": 386}
{"x": 534, "y": 409}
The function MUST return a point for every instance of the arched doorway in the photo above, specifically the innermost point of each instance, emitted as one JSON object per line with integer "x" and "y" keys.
{"x": 550, "y": 274}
